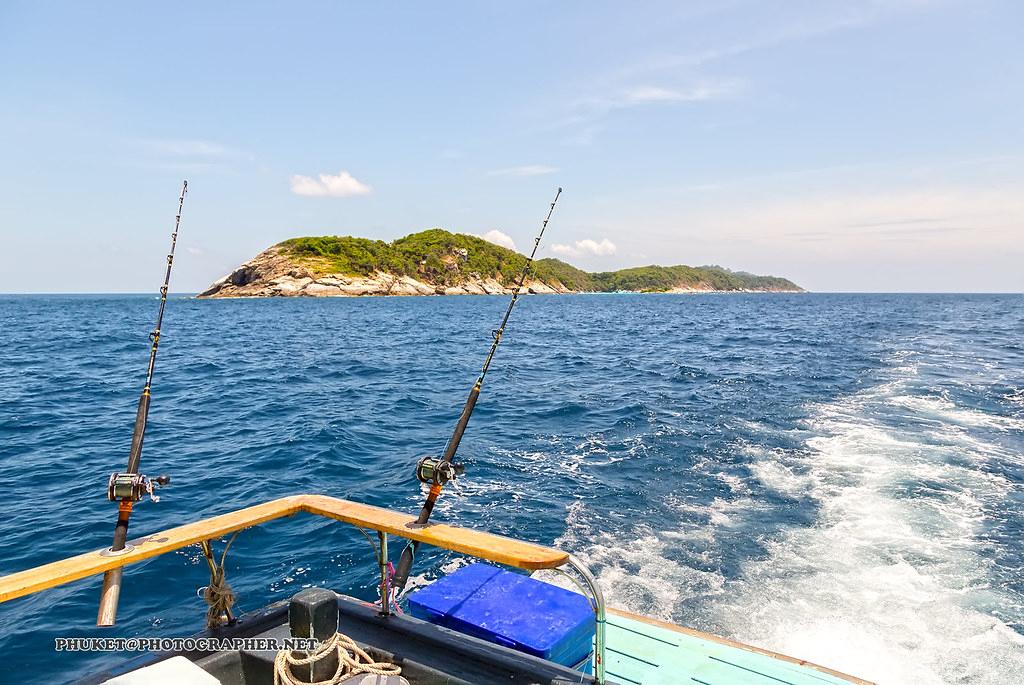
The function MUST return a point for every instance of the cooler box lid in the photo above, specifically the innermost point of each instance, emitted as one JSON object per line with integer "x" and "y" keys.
{"x": 511, "y": 610}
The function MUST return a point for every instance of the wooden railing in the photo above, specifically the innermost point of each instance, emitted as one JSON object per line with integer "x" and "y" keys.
{"x": 473, "y": 543}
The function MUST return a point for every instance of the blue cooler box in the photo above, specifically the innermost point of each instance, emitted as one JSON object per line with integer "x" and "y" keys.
{"x": 511, "y": 610}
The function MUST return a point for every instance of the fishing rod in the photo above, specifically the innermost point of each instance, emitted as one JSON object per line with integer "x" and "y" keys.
{"x": 129, "y": 487}
{"x": 437, "y": 472}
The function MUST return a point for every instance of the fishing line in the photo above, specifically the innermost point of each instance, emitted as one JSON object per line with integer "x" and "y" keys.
{"x": 437, "y": 472}
{"x": 128, "y": 487}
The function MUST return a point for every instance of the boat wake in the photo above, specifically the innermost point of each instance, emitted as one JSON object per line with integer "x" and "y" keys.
{"x": 894, "y": 579}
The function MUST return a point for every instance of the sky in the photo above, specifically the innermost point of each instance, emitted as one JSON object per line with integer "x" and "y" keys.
{"x": 862, "y": 145}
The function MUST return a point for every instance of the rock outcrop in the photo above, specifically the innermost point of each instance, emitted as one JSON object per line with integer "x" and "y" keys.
{"x": 438, "y": 262}
{"x": 272, "y": 273}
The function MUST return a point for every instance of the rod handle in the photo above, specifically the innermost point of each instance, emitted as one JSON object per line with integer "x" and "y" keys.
{"x": 109, "y": 597}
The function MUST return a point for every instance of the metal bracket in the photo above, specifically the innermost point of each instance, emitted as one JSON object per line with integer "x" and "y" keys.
{"x": 111, "y": 552}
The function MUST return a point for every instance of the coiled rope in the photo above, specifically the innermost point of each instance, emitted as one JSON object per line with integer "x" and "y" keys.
{"x": 352, "y": 661}
{"x": 218, "y": 594}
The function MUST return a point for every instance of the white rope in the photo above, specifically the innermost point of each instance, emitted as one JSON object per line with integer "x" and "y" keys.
{"x": 352, "y": 661}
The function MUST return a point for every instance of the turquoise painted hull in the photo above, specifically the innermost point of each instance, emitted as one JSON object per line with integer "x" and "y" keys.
{"x": 639, "y": 652}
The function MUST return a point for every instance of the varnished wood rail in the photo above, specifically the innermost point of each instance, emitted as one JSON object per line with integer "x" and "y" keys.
{"x": 473, "y": 543}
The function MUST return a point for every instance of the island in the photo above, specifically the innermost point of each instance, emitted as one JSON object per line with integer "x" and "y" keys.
{"x": 438, "y": 262}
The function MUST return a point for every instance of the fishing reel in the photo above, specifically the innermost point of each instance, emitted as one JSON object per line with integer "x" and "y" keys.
{"x": 134, "y": 486}
{"x": 437, "y": 471}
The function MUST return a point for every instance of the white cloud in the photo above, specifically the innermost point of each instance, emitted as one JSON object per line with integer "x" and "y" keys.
{"x": 688, "y": 79}
{"x": 652, "y": 94}
{"x": 988, "y": 214}
{"x": 708, "y": 90}
{"x": 938, "y": 237}
{"x": 590, "y": 109}
{"x": 527, "y": 170}
{"x": 586, "y": 247}
{"x": 792, "y": 24}
{"x": 498, "y": 238}
{"x": 343, "y": 184}
{"x": 588, "y": 113}
{"x": 912, "y": 228}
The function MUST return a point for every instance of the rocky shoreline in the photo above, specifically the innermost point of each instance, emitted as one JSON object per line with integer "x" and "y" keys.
{"x": 273, "y": 274}
{"x": 278, "y": 272}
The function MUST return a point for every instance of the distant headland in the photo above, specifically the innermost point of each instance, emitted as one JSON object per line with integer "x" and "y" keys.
{"x": 437, "y": 262}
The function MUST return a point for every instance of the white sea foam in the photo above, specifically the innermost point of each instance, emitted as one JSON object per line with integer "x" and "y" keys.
{"x": 1016, "y": 397}
{"x": 638, "y": 575}
{"x": 885, "y": 585}
{"x": 892, "y": 581}
{"x": 942, "y": 409}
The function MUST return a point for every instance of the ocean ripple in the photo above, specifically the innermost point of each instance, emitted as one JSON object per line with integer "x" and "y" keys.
{"x": 835, "y": 476}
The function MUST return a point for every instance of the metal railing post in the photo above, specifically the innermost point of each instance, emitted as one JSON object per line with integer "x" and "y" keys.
{"x": 385, "y": 582}
{"x": 599, "y": 615}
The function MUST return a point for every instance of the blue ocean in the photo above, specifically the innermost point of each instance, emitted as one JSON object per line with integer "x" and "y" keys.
{"x": 836, "y": 477}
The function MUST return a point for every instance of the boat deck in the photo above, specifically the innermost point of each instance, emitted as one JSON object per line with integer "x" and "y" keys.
{"x": 640, "y": 652}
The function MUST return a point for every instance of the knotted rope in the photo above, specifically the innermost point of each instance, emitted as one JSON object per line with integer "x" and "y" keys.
{"x": 218, "y": 594}
{"x": 352, "y": 661}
